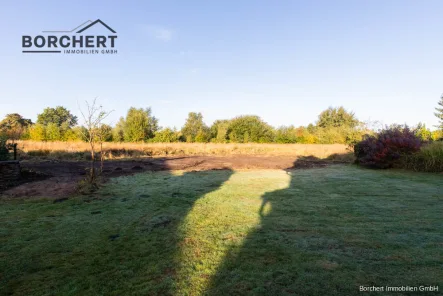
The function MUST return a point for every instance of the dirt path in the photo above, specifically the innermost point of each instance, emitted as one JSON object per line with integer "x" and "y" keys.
{"x": 60, "y": 178}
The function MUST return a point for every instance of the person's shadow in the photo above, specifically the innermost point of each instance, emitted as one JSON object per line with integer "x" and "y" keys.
{"x": 283, "y": 255}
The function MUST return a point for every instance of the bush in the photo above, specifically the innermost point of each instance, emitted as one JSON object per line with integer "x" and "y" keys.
{"x": 4, "y": 152}
{"x": 428, "y": 159}
{"x": 386, "y": 148}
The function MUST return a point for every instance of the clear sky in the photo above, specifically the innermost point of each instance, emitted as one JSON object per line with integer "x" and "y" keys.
{"x": 285, "y": 61}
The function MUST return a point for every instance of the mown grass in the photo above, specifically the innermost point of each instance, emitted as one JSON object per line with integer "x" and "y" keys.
{"x": 80, "y": 150}
{"x": 267, "y": 232}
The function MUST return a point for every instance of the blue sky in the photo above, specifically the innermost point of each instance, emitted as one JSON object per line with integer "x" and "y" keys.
{"x": 285, "y": 61}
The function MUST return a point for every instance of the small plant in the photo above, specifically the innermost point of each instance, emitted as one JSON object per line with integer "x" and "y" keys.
{"x": 384, "y": 149}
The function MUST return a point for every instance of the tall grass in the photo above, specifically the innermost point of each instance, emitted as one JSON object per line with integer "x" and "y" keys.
{"x": 428, "y": 159}
{"x": 79, "y": 150}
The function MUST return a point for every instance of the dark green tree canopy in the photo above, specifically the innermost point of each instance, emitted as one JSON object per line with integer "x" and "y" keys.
{"x": 14, "y": 125}
{"x": 439, "y": 113}
{"x": 59, "y": 116}
{"x": 14, "y": 120}
{"x": 337, "y": 117}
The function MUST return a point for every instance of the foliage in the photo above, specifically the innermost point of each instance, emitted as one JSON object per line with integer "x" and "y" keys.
{"x": 202, "y": 136}
{"x": 250, "y": 128}
{"x": 437, "y": 135}
{"x": 165, "y": 135}
{"x": 286, "y": 135}
{"x": 219, "y": 131}
{"x": 422, "y": 132}
{"x": 194, "y": 126}
{"x": 37, "y": 132}
{"x": 384, "y": 149}
{"x": 139, "y": 125}
{"x": 14, "y": 126}
{"x": 118, "y": 134}
{"x": 53, "y": 132}
{"x": 428, "y": 159}
{"x": 337, "y": 117}
{"x": 439, "y": 114}
{"x": 4, "y": 152}
{"x": 60, "y": 116}
{"x": 105, "y": 132}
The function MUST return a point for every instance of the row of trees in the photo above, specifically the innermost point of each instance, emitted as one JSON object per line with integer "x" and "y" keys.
{"x": 334, "y": 125}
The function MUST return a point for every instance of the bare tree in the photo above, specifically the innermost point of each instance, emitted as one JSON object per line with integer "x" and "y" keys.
{"x": 93, "y": 118}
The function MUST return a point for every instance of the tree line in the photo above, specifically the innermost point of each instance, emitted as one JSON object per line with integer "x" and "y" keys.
{"x": 334, "y": 125}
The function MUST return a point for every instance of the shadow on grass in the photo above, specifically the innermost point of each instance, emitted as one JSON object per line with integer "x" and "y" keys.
{"x": 327, "y": 233}
{"x": 126, "y": 237}
{"x": 268, "y": 262}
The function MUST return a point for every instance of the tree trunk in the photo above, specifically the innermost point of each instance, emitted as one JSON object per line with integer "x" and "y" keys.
{"x": 92, "y": 171}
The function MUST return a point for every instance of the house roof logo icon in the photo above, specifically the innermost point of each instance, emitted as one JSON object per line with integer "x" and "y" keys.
{"x": 94, "y": 23}
{"x": 90, "y": 24}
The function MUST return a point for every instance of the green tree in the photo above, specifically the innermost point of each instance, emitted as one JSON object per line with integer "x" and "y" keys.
{"x": 219, "y": 131}
{"x": 139, "y": 125}
{"x": 105, "y": 132}
{"x": 82, "y": 132}
{"x": 337, "y": 117}
{"x": 422, "y": 132}
{"x": 53, "y": 132}
{"x": 13, "y": 126}
{"x": 59, "y": 116}
{"x": 286, "y": 135}
{"x": 70, "y": 135}
{"x": 202, "y": 136}
{"x": 439, "y": 114}
{"x": 37, "y": 132}
{"x": 194, "y": 126}
{"x": 250, "y": 128}
{"x": 165, "y": 135}
{"x": 118, "y": 134}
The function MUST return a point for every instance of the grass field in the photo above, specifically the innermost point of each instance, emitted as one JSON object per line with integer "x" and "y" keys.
{"x": 80, "y": 150}
{"x": 322, "y": 231}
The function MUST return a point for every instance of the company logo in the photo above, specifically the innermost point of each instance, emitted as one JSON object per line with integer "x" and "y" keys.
{"x": 75, "y": 41}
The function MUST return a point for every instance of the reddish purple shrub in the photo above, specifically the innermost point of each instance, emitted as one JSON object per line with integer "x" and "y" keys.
{"x": 385, "y": 148}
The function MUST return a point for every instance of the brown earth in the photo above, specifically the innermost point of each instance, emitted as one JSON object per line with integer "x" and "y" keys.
{"x": 55, "y": 179}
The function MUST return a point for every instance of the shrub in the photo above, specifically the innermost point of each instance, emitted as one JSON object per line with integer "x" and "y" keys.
{"x": 428, "y": 159}
{"x": 385, "y": 148}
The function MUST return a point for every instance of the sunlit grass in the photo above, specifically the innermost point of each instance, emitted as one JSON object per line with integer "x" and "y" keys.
{"x": 258, "y": 232}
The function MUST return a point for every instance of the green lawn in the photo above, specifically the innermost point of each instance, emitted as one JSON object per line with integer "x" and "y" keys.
{"x": 259, "y": 232}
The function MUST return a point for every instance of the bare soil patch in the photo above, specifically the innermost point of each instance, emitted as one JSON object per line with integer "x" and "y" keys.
{"x": 55, "y": 179}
